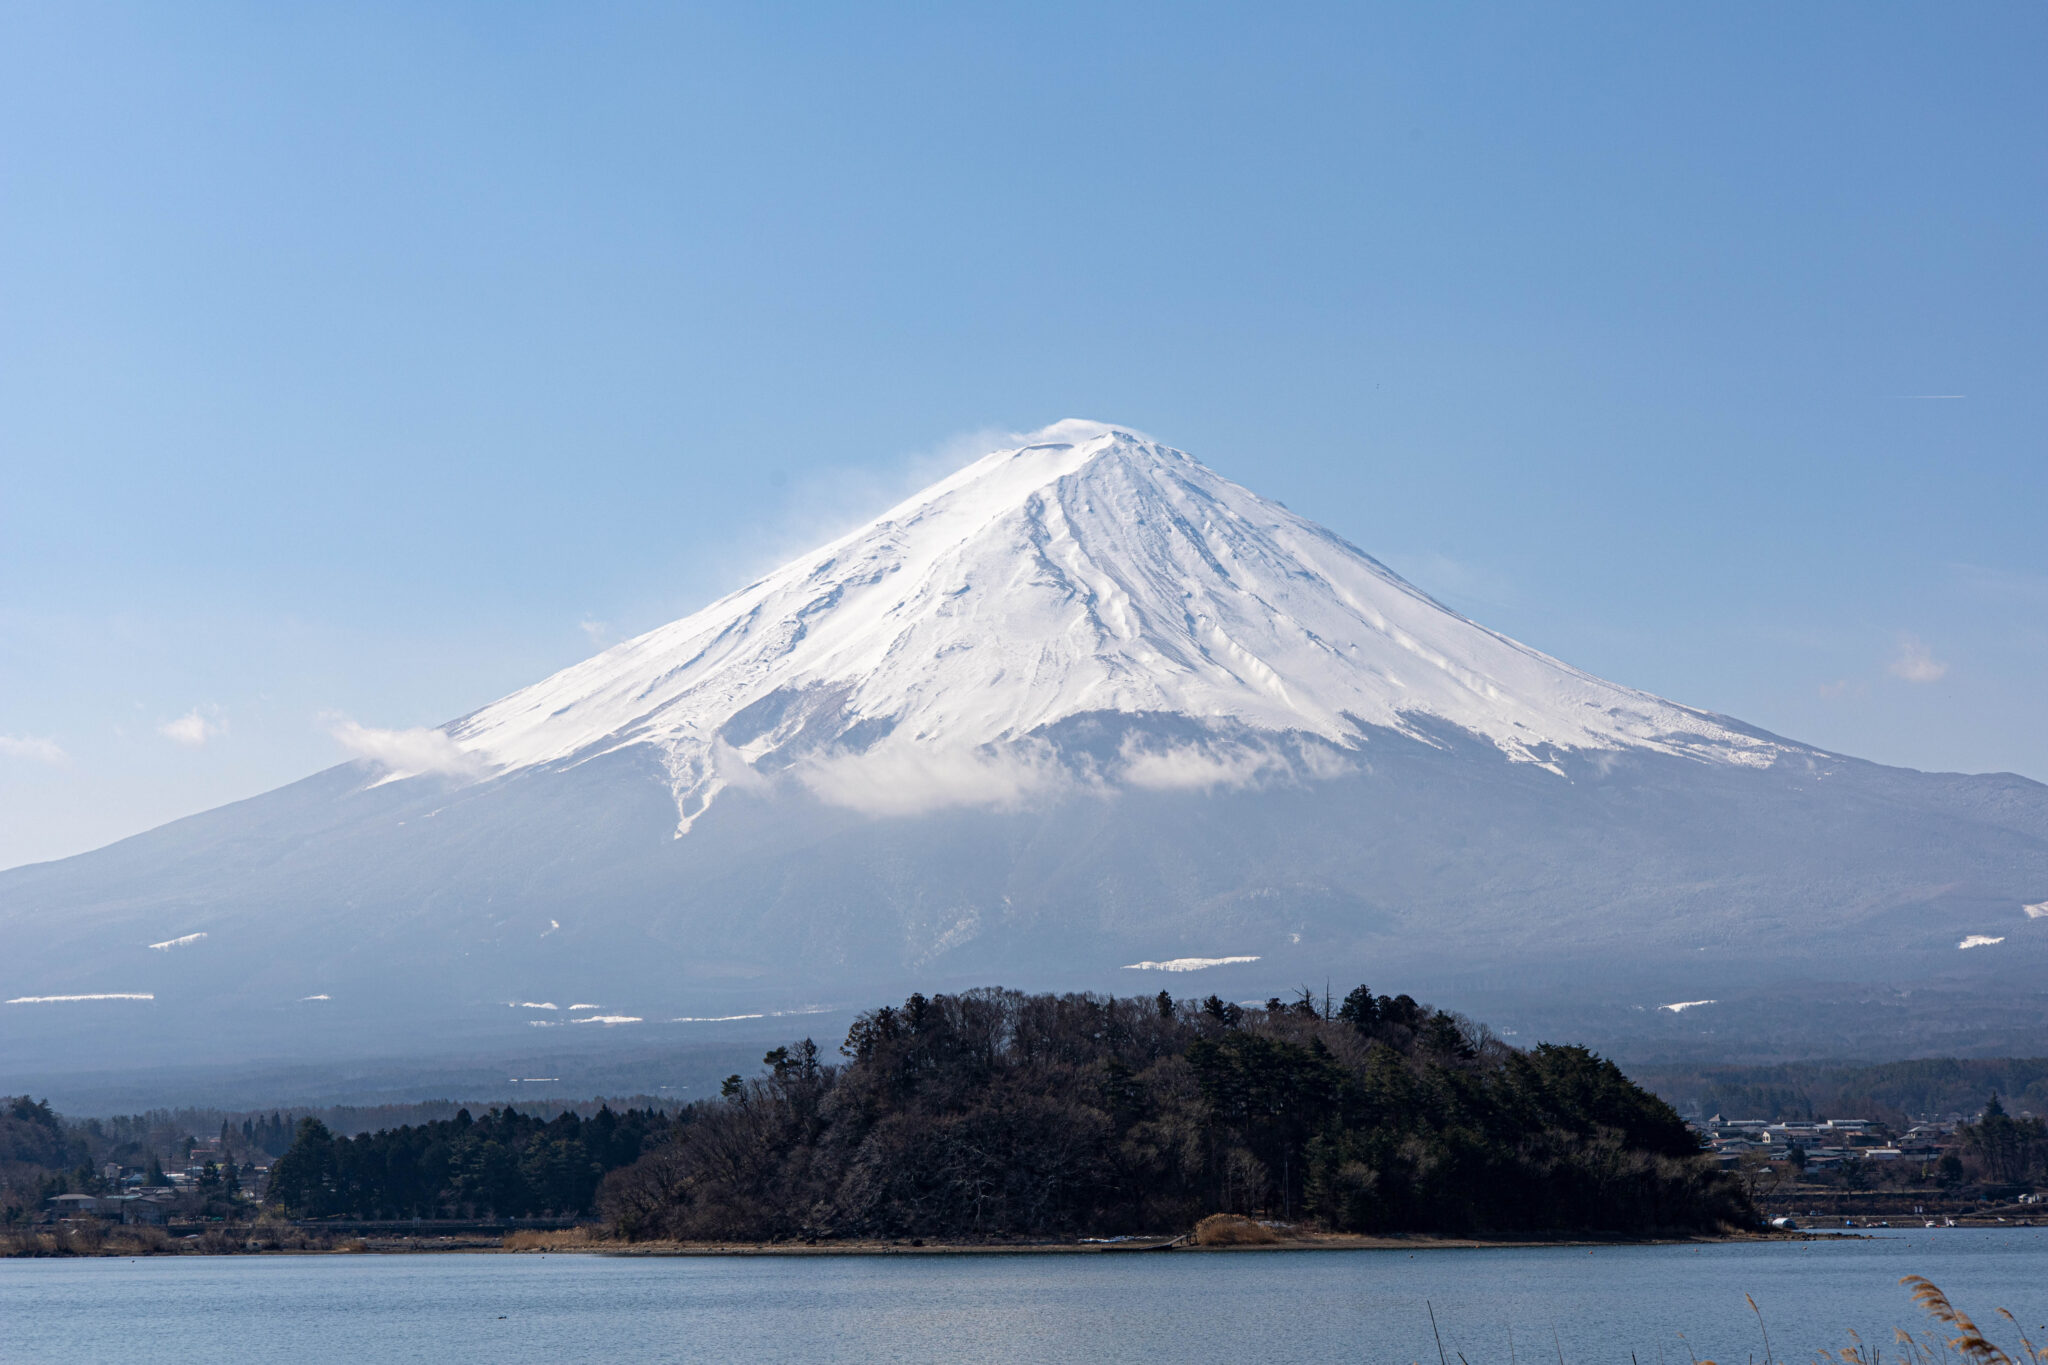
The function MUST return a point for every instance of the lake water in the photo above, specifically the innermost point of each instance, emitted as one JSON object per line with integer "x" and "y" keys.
{"x": 1263, "y": 1306}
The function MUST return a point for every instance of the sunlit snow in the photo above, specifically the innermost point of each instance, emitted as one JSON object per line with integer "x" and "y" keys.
{"x": 171, "y": 943}
{"x": 1185, "y": 964}
{"x": 2036, "y": 911}
{"x": 65, "y": 999}
{"x": 917, "y": 662}
{"x": 1680, "y": 1007}
{"x": 1981, "y": 941}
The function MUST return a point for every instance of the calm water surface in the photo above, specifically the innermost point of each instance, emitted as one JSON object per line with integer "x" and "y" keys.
{"x": 1304, "y": 1306}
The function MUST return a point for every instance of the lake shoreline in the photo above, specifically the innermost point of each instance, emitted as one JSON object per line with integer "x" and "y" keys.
{"x": 576, "y": 1242}
{"x": 1136, "y": 1246}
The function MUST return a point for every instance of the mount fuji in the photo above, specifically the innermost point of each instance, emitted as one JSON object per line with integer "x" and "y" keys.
{"x": 1083, "y": 714}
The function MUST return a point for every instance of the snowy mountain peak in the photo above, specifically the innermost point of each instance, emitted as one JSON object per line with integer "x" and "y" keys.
{"x": 922, "y": 659}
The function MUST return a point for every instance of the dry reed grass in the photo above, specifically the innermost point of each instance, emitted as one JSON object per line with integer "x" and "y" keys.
{"x": 1233, "y": 1230}
{"x": 564, "y": 1239}
{"x": 1969, "y": 1345}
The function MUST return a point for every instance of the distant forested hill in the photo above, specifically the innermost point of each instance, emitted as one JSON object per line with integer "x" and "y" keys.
{"x": 993, "y": 1114}
{"x": 1894, "y": 1092}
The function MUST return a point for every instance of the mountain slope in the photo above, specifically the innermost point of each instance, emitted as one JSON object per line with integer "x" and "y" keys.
{"x": 1091, "y": 570}
{"x": 1084, "y": 714}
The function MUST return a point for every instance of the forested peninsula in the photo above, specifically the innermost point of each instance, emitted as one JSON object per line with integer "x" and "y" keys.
{"x": 990, "y": 1117}
{"x": 994, "y": 1115}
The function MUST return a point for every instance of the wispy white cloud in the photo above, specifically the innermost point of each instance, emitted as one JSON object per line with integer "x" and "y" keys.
{"x": 715, "y": 1018}
{"x": 2039, "y": 911}
{"x": 608, "y": 1020}
{"x": 33, "y": 748}
{"x": 1197, "y": 767}
{"x": 729, "y": 767}
{"x": 533, "y": 1004}
{"x": 407, "y": 753}
{"x": 906, "y": 779}
{"x": 304, "y": 998}
{"x": 597, "y": 632}
{"x": 195, "y": 727}
{"x": 1187, "y": 964}
{"x": 1916, "y": 663}
{"x": 820, "y": 506}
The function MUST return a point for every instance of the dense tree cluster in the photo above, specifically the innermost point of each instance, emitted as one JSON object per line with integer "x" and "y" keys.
{"x": 503, "y": 1165}
{"x": 35, "y": 1154}
{"x": 2003, "y": 1150}
{"x": 994, "y": 1113}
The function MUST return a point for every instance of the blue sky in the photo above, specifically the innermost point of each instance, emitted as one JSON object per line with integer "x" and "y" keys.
{"x": 372, "y": 361}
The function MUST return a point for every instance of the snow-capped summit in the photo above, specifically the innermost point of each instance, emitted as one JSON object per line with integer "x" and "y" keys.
{"x": 1088, "y": 569}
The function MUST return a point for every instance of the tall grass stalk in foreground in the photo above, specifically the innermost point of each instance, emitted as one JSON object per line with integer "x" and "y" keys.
{"x": 1760, "y": 1326}
{"x": 1969, "y": 1341}
{"x": 1969, "y": 1345}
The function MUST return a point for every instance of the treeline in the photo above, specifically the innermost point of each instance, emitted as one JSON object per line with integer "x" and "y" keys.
{"x": 35, "y": 1151}
{"x": 1891, "y": 1092}
{"x": 995, "y": 1114}
{"x": 503, "y": 1165}
{"x": 42, "y": 1155}
{"x": 1999, "y": 1149}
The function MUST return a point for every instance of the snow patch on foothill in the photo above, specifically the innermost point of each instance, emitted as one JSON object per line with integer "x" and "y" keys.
{"x": 1187, "y": 964}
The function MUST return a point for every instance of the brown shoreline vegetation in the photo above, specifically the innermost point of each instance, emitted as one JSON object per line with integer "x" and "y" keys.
{"x": 83, "y": 1239}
